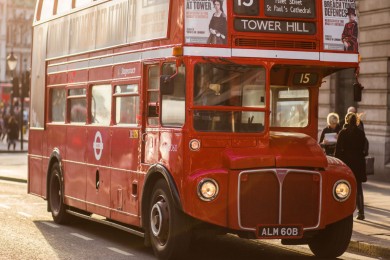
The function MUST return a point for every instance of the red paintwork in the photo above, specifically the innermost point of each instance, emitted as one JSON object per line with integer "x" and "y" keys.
{"x": 126, "y": 158}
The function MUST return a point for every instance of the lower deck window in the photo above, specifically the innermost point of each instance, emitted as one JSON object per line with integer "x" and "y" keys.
{"x": 58, "y": 102}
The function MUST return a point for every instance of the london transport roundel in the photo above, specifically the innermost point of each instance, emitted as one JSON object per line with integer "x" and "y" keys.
{"x": 98, "y": 145}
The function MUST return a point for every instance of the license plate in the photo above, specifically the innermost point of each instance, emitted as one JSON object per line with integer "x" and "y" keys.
{"x": 279, "y": 231}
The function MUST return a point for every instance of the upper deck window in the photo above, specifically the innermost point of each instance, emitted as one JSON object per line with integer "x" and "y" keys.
{"x": 46, "y": 10}
{"x": 64, "y": 6}
{"x": 80, "y": 3}
{"x": 236, "y": 93}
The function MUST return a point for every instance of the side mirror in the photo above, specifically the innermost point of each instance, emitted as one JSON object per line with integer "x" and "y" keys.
{"x": 167, "y": 85}
{"x": 357, "y": 92}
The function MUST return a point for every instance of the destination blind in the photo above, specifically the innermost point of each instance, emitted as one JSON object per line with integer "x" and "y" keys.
{"x": 277, "y": 8}
{"x": 302, "y": 9}
{"x": 272, "y": 26}
{"x": 290, "y": 8}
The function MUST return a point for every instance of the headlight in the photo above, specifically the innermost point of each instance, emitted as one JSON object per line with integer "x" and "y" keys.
{"x": 341, "y": 190}
{"x": 208, "y": 189}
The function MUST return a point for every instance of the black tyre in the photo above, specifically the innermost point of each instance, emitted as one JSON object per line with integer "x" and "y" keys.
{"x": 169, "y": 232}
{"x": 333, "y": 241}
{"x": 56, "y": 200}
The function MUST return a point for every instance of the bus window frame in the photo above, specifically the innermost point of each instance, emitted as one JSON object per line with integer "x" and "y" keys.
{"x": 174, "y": 62}
{"x": 50, "y": 103}
{"x": 148, "y": 90}
{"x": 68, "y": 105}
{"x": 274, "y": 104}
{"x": 90, "y": 103}
{"x": 224, "y": 108}
{"x": 114, "y": 101}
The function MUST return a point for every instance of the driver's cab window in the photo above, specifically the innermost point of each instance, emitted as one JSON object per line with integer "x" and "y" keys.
{"x": 290, "y": 107}
{"x": 229, "y": 97}
{"x": 290, "y": 95}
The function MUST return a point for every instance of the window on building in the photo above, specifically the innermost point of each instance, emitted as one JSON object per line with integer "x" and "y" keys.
{"x": 127, "y": 104}
{"x": 101, "y": 105}
{"x": 58, "y": 105}
{"x": 78, "y": 105}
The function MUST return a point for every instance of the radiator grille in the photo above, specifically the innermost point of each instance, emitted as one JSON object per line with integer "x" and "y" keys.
{"x": 284, "y": 44}
{"x": 279, "y": 197}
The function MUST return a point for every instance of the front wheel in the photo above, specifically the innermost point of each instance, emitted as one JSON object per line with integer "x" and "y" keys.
{"x": 333, "y": 241}
{"x": 56, "y": 200}
{"x": 169, "y": 232}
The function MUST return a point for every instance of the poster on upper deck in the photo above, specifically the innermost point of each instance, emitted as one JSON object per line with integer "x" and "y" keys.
{"x": 205, "y": 21}
{"x": 340, "y": 23}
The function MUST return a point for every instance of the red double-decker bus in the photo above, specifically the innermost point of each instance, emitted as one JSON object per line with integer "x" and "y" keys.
{"x": 160, "y": 116}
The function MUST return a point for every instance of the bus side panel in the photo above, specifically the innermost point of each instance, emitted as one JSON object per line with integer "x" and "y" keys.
{"x": 171, "y": 153}
{"x": 74, "y": 167}
{"x": 98, "y": 171}
{"x": 36, "y": 174}
{"x": 124, "y": 177}
{"x": 56, "y": 136}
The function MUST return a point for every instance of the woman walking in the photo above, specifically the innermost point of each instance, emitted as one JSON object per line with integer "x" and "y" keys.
{"x": 350, "y": 149}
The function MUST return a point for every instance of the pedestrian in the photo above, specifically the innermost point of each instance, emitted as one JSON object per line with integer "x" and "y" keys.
{"x": 13, "y": 132}
{"x": 353, "y": 109}
{"x": 350, "y": 149}
{"x": 4, "y": 132}
{"x": 331, "y": 130}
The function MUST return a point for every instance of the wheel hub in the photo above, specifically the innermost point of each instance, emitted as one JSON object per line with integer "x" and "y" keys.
{"x": 159, "y": 221}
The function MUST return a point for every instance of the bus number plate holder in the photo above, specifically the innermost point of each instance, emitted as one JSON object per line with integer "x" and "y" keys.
{"x": 279, "y": 231}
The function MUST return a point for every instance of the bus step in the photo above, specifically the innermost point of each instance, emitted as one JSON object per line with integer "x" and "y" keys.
{"x": 108, "y": 223}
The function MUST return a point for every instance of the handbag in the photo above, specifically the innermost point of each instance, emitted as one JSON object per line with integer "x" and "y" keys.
{"x": 370, "y": 165}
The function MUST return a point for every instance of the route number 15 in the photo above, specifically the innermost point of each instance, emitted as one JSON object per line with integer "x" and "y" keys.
{"x": 245, "y": 2}
{"x": 246, "y": 7}
{"x": 305, "y": 79}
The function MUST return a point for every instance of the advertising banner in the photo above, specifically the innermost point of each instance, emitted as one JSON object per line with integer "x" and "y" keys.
{"x": 205, "y": 21}
{"x": 340, "y": 25}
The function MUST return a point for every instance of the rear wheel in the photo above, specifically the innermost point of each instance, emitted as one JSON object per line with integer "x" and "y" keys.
{"x": 169, "y": 232}
{"x": 56, "y": 200}
{"x": 333, "y": 241}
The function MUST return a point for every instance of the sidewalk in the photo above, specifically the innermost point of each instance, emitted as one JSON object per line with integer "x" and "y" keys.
{"x": 370, "y": 237}
{"x": 4, "y": 146}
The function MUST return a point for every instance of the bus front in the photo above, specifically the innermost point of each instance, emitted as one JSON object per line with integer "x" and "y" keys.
{"x": 253, "y": 164}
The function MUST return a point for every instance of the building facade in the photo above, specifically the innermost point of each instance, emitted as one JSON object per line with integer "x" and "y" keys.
{"x": 336, "y": 93}
{"x": 16, "y": 17}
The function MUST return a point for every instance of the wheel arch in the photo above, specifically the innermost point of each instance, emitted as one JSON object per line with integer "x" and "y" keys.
{"x": 55, "y": 157}
{"x": 155, "y": 173}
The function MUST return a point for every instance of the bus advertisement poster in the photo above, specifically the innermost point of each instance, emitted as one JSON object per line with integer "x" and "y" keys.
{"x": 340, "y": 25}
{"x": 205, "y": 22}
